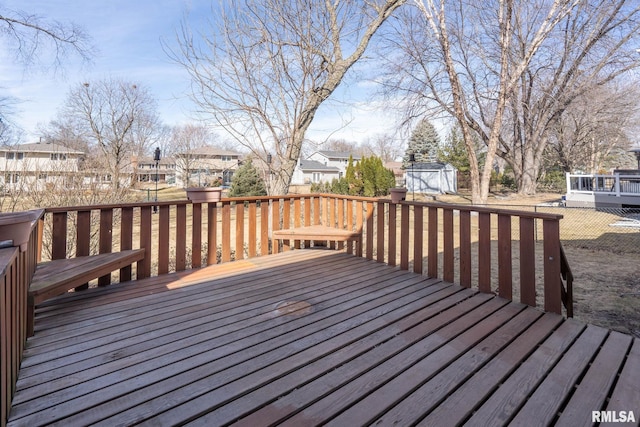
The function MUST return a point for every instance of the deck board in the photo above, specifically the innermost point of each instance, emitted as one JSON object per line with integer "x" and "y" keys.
{"x": 357, "y": 342}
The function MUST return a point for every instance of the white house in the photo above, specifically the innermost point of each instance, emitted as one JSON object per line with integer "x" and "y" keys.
{"x": 146, "y": 171}
{"x": 433, "y": 178}
{"x": 337, "y": 159}
{"x": 34, "y": 165}
{"x": 311, "y": 171}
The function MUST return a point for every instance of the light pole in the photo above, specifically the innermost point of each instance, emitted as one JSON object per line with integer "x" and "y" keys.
{"x": 412, "y": 160}
{"x": 156, "y": 158}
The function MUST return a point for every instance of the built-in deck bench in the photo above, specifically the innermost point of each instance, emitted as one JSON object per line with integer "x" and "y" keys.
{"x": 318, "y": 233}
{"x": 56, "y": 277}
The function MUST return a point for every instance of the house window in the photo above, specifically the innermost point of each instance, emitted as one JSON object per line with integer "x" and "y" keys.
{"x": 58, "y": 156}
{"x": 316, "y": 177}
{"x": 10, "y": 156}
{"x": 19, "y": 156}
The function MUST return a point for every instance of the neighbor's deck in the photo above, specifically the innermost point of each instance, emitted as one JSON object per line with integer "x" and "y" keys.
{"x": 311, "y": 336}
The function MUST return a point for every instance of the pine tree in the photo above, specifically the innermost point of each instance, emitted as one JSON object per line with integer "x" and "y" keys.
{"x": 424, "y": 143}
{"x": 454, "y": 151}
{"x": 247, "y": 182}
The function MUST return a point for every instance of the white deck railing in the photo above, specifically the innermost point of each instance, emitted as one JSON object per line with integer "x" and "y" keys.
{"x": 618, "y": 185}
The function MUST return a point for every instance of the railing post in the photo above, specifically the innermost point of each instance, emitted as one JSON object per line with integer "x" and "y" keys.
{"x": 552, "y": 271}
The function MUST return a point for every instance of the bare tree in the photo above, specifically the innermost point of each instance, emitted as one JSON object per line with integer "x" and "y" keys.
{"x": 594, "y": 46}
{"x": 385, "y": 146}
{"x": 265, "y": 68}
{"x": 595, "y": 128}
{"x": 35, "y": 40}
{"x": 460, "y": 57}
{"x": 185, "y": 139}
{"x": 117, "y": 118}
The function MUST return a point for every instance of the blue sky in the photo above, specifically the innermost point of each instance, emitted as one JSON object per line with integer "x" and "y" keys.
{"x": 127, "y": 35}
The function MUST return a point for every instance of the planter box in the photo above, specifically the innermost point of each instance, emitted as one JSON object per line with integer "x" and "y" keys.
{"x": 204, "y": 194}
{"x": 398, "y": 194}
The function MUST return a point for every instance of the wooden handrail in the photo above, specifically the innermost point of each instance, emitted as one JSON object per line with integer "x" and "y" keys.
{"x": 17, "y": 265}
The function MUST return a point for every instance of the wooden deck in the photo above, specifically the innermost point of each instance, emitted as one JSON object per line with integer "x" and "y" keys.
{"x": 313, "y": 336}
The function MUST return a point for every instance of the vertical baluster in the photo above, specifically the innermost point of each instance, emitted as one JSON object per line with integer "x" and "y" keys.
{"x": 465, "y": 248}
{"x": 404, "y": 236}
{"x": 505, "y": 279}
{"x": 226, "y": 231}
{"x": 296, "y": 218}
{"x": 106, "y": 240}
{"x": 239, "y": 230}
{"x": 264, "y": 227}
{"x": 286, "y": 220}
{"x": 181, "y": 237}
{"x": 392, "y": 232}
{"x": 144, "y": 266}
{"x": 527, "y": 262}
{"x": 448, "y": 272}
{"x": 418, "y": 237}
{"x": 432, "y": 244}
{"x": 380, "y": 233}
{"x": 83, "y": 238}
{"x": 484, "y": 252}
{"x": 350, "y": 224}
{"x": 163, "y": 240}
{"x": 126, "y": 239}
{"x": 369, "y": 234}
{"x": 212, "y": 233}
{"x": 196, "y": 235}
{"x": 59, "y": 240}
{"x": 275, "y": 223}
{"x": 253, "y": 226}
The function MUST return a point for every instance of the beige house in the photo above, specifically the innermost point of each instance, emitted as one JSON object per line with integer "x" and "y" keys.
{"x": 35, "y": 165}
{"x": 206, "y": 166}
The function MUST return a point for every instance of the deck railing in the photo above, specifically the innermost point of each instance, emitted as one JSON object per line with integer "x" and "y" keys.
{"x": 472, "y": 246}
{"x": 617, "y": 184}
{"x": 17, "y": 264}
{"x": 465, "y": 244}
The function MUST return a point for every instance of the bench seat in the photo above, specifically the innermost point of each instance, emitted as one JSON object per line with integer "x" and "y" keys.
{"x": 318, "y": 232}
{"x": 56, "y": 277}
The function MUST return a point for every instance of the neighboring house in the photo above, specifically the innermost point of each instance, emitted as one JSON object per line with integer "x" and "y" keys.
{"x": 145, "y": 169}
{"x": 311, "y": 171}
{"x": 206, "y": 166}
{"x": 398, "y": 172}
{"x": 337, "y": 159}
{"x": 33, "y": 166}
{"x": 438, "y": 178}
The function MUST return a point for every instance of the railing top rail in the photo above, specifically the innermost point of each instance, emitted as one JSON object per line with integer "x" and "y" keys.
{"x": 9, "y": 218}
{"x": 441, "y": 205}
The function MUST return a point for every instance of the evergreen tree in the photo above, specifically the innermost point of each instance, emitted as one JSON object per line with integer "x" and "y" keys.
{"x": 247, "y": 182}
{"x": 424, "y": 143}
{"x": 454, "y": 151}
{"x": 367, "y": 178}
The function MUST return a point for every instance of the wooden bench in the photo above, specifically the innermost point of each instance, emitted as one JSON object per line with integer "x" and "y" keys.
{"x": 319, "y": 233}
{"x": 56, "y": 277}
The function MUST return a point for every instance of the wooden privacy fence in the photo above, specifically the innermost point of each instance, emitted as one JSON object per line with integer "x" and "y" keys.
{"x": 464, "y": 244}
{"x": 17, "y": 265}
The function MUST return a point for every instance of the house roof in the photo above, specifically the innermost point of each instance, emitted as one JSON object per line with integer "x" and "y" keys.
{"x": 430, "y": 166}
{"x": 338, "y": 154}
{"x": 213, "y": 151}
{"x": 40, "y": 147}
{"x": 312, "y": 165}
